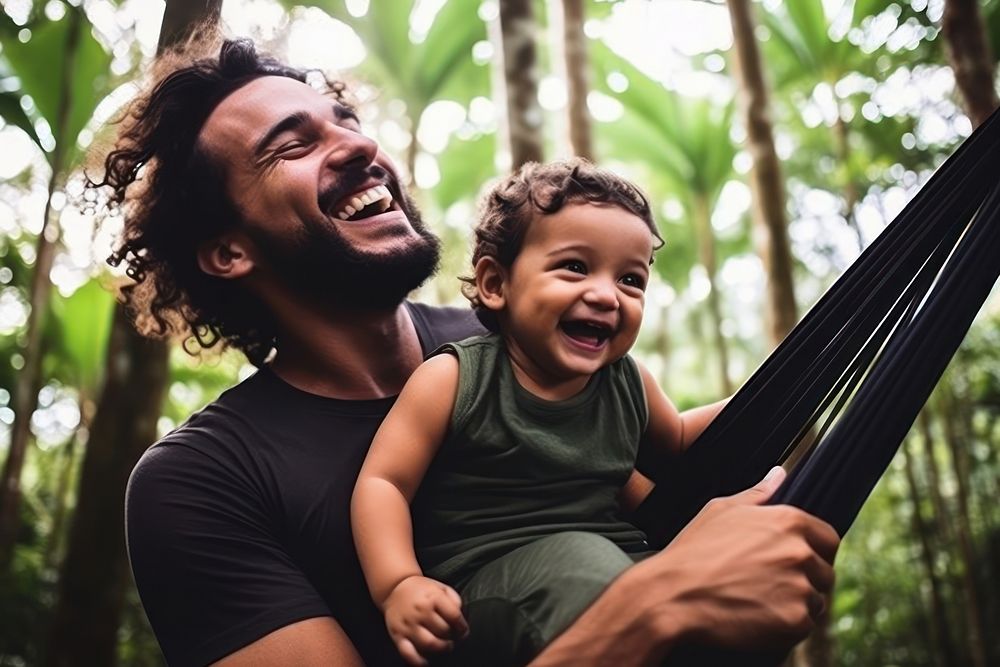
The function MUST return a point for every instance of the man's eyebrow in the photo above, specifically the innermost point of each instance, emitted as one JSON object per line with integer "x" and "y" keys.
{"x": 290, "y": 122}
{"x": 343, "y": 112}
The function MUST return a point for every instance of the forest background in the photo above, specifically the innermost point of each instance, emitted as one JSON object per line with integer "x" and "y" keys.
{"x": 776, "y": 141}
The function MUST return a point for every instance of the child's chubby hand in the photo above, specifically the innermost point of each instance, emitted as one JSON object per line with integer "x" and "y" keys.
{"x": 424, "y": 617}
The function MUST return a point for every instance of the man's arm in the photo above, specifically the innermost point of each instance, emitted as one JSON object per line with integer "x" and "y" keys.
{"x": 212, "y": 579}
{"x": 740, "y": 575}
{"x": 309, "y": 643}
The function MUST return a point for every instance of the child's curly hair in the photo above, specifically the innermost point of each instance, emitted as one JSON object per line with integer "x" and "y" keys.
{"x": 508, "y": 209}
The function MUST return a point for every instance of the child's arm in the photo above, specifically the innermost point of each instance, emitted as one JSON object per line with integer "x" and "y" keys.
{"x": 669, "y": 432}
{"x": 422, "y": 615}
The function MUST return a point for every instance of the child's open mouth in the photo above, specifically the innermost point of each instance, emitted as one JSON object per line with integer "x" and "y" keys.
{"x": 588, "y": 333}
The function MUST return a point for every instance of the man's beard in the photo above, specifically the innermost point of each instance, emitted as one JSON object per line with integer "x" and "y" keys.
{"x": 320, "y": 265}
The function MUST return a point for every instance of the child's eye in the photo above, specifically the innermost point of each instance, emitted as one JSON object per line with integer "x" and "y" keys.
{"x": 634, "y": 280}
{"x": 575, "y": 266}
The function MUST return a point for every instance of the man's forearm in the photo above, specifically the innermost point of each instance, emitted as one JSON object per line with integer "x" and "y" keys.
{"x": 629, "y": 625}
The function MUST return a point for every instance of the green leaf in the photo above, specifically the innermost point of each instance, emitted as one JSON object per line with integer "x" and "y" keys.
{"x": 12, "y": 112}
{"x": 84, "y": 322}
{"x": 448, "y": 50}
{"x": 465, "y": 165}
{"x": 58, "y": 50}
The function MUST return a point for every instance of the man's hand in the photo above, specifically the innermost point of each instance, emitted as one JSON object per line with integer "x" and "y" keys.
{"x": 741, "y": 576}
{"x": 754, "y": 576}
{"x": 424, "y": 617}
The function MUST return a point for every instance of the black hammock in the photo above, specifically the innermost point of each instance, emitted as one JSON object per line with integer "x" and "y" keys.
{"x": 870, "y": 351}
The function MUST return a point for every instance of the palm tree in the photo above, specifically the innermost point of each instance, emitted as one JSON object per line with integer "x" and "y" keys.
{"x": 518, "y": 29}
{"x": 971, "y": 57}
{"x": 93, "y": 577}
{"x": 685, "y": 143}
{"x": 63, "y": 69}
{"x": 766, "y": 181}
{"x": 576, "y": 70}
{"x": 418, "y": 73}
{"x": 803, "y": 53}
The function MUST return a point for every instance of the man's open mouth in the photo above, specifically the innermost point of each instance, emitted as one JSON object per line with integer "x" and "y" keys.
{"x": 587, "y": 332}
{"x": 365, "y": 204}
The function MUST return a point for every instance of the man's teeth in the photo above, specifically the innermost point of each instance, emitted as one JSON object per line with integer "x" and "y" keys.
{"x": 378, "y": 195}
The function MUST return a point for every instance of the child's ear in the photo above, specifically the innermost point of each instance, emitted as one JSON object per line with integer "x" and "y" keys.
{"x": 227, "y": 256}
{"x": 491, "y": 278}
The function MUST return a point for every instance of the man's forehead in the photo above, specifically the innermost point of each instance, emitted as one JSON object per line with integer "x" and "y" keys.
{"x": 253, "y": 108}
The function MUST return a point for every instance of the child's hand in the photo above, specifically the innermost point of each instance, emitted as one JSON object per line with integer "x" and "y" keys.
{"x": 424, "y": 617}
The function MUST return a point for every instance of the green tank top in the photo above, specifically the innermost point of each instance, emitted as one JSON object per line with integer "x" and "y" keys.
{"x": 515, "y": 468}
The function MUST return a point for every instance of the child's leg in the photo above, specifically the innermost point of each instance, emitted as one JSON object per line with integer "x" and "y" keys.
{"x": 518, "y": 603}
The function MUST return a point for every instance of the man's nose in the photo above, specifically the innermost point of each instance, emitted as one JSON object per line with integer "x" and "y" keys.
{"x": 601, "y": 294}
{"x": 347, "y": 147}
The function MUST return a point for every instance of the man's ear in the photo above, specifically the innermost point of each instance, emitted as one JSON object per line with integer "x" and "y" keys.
{"x": 227, "y": 256}
{"x": 491, "y": 279}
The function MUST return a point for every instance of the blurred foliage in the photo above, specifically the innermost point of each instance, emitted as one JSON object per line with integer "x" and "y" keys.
{"x": 842, "y": 137}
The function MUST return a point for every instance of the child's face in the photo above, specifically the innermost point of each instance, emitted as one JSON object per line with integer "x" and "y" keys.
{"x": 573, "y": 298}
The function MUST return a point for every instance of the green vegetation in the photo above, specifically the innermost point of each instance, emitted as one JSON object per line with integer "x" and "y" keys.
{"x": 863, "y": 104}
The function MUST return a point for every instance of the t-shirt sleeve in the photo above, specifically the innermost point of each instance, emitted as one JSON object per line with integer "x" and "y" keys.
{"x": 210, "y": 572}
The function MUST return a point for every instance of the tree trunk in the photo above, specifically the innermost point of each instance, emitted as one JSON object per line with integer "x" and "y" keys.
{"x": 842, "y": 142}
{"x": 93, "y": 577}
{"x": 942, "y": 525}
{"x": 971, "y": 57}
{"x": 94, "y": 574}
{"x": 413, "y": 149}
{"x": 576, "y": 73}
{"x": 940, "y": 626}
{"x": 520, "y": 62}
{"x": 184, "y": 18}
{"x": 29, "y": 380}
{"x": 766, "y": 182}
{"x": 706, "y": 255}
{"x": 963, "y": 531}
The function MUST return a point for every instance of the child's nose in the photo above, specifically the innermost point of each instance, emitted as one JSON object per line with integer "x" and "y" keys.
{"x": 601, "y": 294}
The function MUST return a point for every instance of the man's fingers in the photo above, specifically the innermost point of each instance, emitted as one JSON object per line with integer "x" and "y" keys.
{"x": 816, "y": 605}
{"x": 822, "y": 538}
{"x": 759, "y": 493}
{"x": 820, "y": 574}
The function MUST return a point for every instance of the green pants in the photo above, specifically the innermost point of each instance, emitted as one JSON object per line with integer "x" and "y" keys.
{"x": 520, "y": 602}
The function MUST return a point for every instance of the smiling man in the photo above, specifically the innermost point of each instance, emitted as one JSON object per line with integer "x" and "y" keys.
{"x": 258, "y": 214}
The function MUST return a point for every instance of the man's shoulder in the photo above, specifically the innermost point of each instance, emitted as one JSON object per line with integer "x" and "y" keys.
{"x": 437, "y": 325}
{"x": 216, "y": 431}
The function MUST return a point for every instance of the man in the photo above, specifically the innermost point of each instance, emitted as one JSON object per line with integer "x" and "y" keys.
{"x": 258, "y": 213}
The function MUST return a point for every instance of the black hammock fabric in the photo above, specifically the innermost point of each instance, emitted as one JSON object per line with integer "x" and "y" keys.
{"x": 869, "y": 352}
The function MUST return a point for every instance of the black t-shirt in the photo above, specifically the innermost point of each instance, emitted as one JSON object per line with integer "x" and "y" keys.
{"x": 238, "y": 521}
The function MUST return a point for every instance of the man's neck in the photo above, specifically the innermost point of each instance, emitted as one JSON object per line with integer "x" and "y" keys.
{"x": 349, "y": 355}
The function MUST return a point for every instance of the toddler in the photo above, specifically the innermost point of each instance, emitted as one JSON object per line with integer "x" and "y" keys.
{"x": 487, "y": 515}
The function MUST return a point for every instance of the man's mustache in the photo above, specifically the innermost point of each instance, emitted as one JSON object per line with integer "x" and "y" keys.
{"x": 350, "y": 181}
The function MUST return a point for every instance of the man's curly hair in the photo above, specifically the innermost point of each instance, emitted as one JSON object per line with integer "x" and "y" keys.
{"x": 508, "y": 209}
{"x": 173, "y": 198}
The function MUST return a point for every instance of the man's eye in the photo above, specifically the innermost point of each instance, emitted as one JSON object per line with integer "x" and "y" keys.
{"x": 290, "y": 149}
{"x": 634, "y": 280}
{"x": 574, "y": 266}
